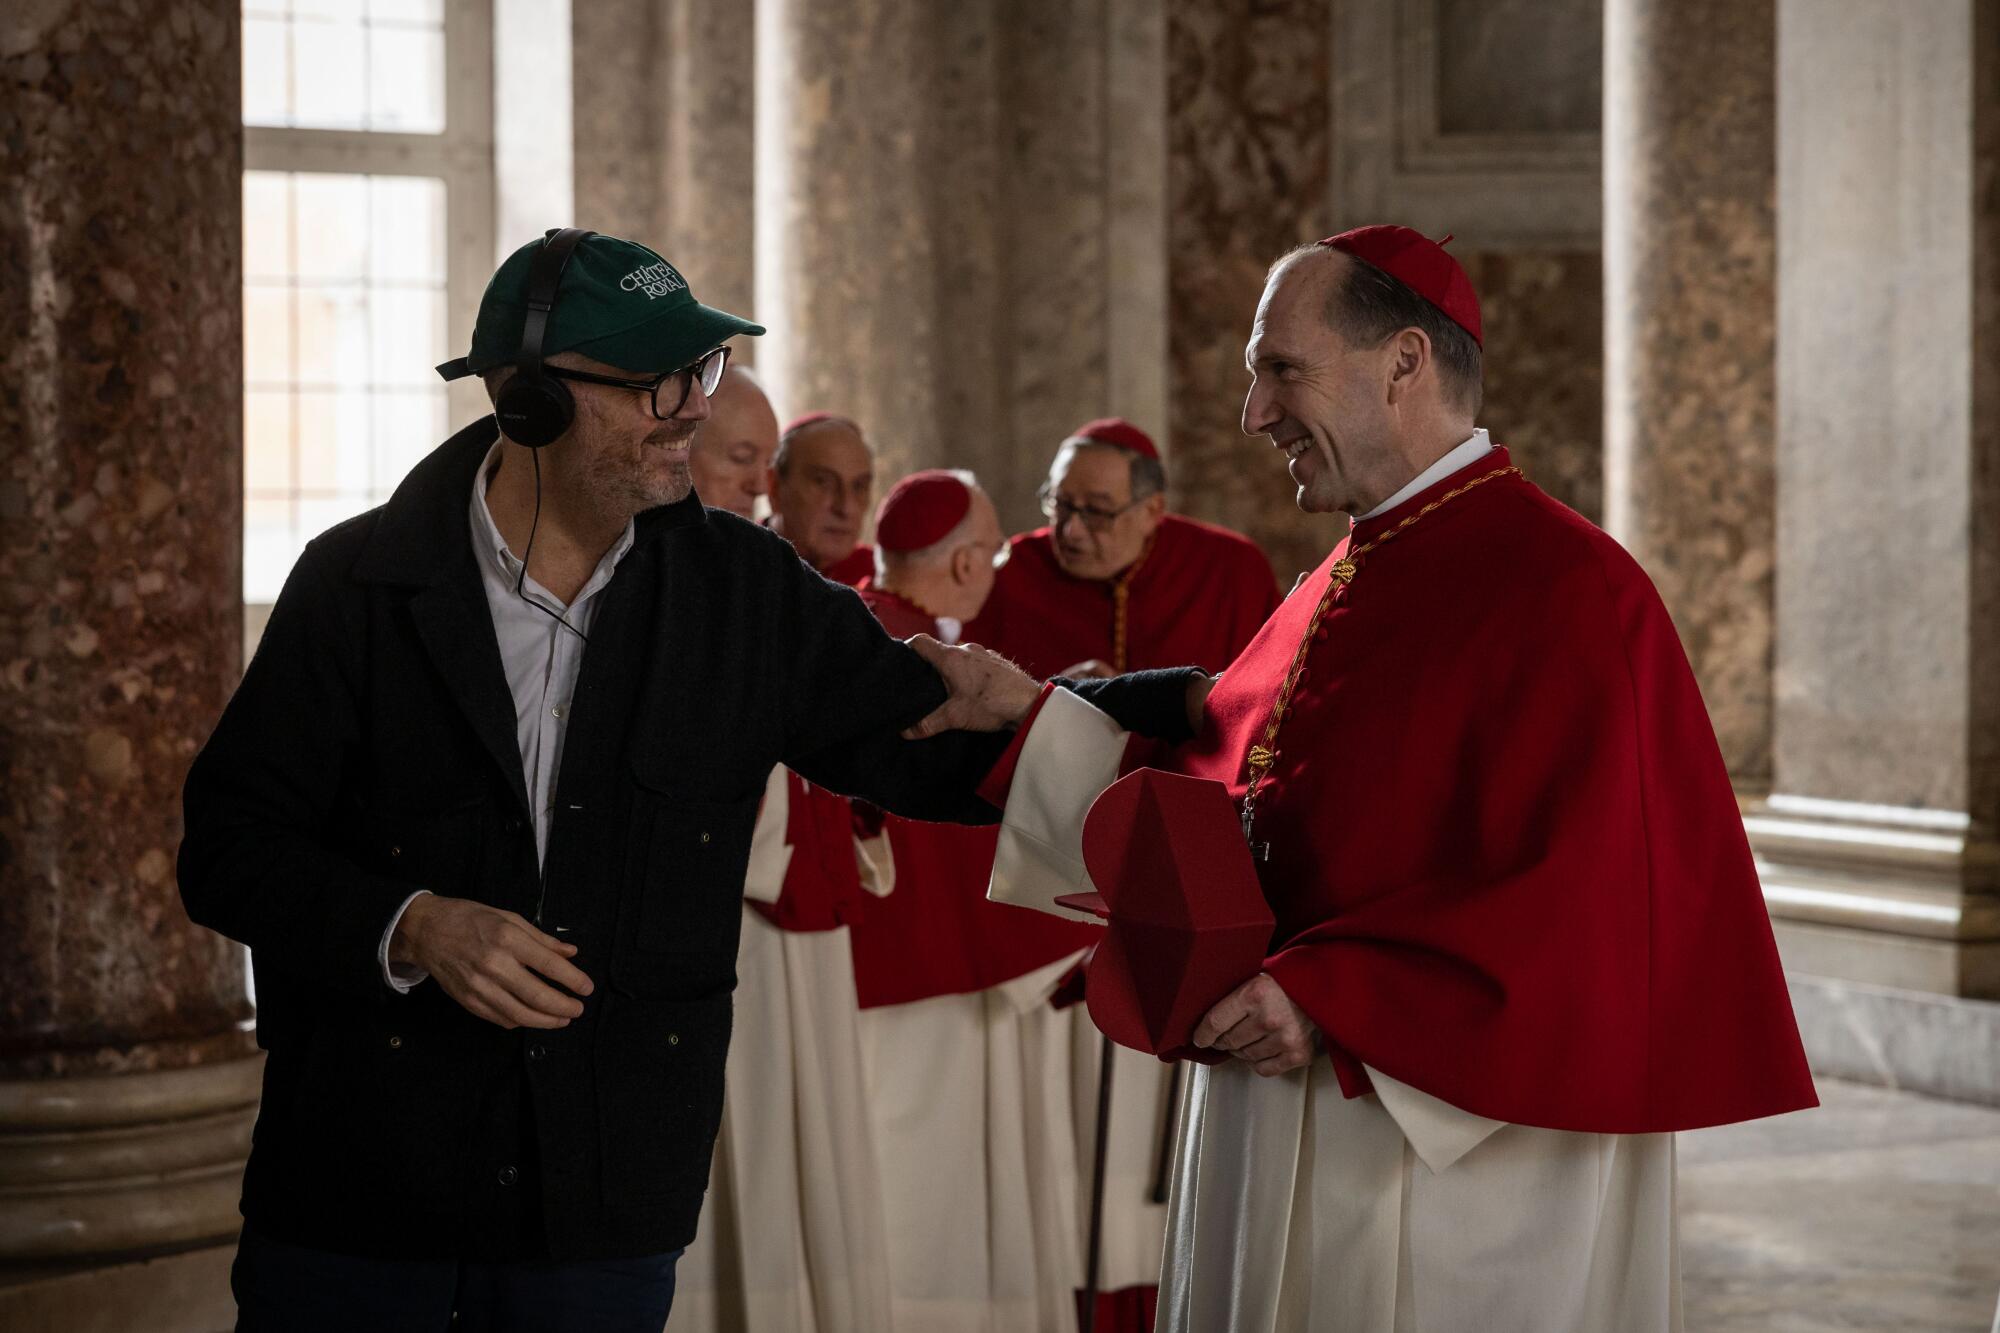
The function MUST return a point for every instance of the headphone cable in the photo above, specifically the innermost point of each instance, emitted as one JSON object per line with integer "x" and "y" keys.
{"x": 521, "y": 579}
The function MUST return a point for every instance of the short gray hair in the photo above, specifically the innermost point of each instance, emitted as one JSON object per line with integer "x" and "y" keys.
{"x": 1148, "y": 474}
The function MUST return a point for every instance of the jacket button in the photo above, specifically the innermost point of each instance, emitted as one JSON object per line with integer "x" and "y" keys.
{"x": 395, "y": 1043}
{"x": 508, "y": 1175}
{"x": 396, "y": 850}
{"x": 704, "y": 837}
{"x": 673, "y": 1039}
{"x": 537, "y": 1051}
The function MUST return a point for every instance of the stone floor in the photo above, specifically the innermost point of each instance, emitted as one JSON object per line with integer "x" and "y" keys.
{"x": 1878, "y": 1210}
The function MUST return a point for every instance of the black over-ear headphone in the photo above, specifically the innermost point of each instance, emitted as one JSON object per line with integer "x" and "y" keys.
{"x": 534, "y": 408}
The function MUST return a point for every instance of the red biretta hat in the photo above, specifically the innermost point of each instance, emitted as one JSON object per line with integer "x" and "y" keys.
{"x": 1187, "y": 918}
{"x": 921, "y": 509}
{"x": 1116, "y": 431}
{"x": 1420, "y": 264}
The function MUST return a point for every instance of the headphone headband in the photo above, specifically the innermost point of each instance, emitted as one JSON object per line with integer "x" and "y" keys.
{"x": 544, "y": 281}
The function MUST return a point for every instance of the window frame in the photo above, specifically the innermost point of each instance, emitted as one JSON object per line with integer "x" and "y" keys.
{"x": 462, "y": 157}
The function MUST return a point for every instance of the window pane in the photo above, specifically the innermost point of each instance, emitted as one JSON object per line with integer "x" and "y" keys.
{"x": 267, "y": 224}
{"x": 333, "y": 335}
{"x": 351, "y": 10}
{"x": 267, "y": 440}
{"x": 329, "y": 74}
{"x": 333, "y": 227}
{"x": 406, "y": 80}
{"x": 406, "y": 229}
{"x": 270, "y": 546}
{"x": 267, "y": 335}
{"x": 407, "y": 426}
{"x": 344, "y": 318}
{"x": 266, "y": 79}
{"x": 407, "y": 11}
{"x": 409, "y": 335}
{"x": 335, "y": 452}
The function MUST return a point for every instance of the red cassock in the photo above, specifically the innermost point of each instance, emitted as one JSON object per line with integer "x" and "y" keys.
{"x": 1193, "y": 599}
{"x": 852, "y": 569}
{"x": 936, "y": 934}
{"x": 1505, "y": 859}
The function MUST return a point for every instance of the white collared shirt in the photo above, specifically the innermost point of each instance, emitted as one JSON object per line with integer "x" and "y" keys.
{"x": 541, "y": 659}
{"x": 1462, "y": 455}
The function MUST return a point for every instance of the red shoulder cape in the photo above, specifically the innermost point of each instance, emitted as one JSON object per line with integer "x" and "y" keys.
{"x": 936, "y": 934}
{"x": 1506, "y": 861}
{"x": 1194, "y": 598}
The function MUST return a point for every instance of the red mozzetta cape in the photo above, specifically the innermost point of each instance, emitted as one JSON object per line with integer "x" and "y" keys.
{"x": 1506, "y": 862}
{"x": 936, "y": 934}
{"x": 1193, "y": 599}
{"x": 822, "y": 886}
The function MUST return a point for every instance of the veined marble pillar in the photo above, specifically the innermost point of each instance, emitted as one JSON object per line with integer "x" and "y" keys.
{"x": 1879, "y": 836}
{"x": 959, "y": 232}
{"x": 1690, "y": 316}
{"x": 1250, "y": 150}
{"x": 128, "y": 1078}
{"x": 878, "y": 236}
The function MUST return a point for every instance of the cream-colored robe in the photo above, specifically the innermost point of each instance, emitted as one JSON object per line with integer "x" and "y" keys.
{"x": 969, "y": 1098}
{"x": 1295, "y": 1208}
{"x": 791, "y": 1238}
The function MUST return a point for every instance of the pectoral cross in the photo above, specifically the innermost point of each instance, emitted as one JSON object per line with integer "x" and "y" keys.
{"x": 1260, "y": 764}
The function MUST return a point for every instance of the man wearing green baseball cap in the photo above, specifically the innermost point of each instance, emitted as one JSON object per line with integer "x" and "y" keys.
{"x": 481, "y": 809}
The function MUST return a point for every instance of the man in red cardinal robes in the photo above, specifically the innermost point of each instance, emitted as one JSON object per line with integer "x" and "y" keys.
{"x": 1520, "y": 939}
{"x": 967, "y": 1063}
{"x": 791, "y": 1233}
{"x": 822, "y": 479}
{"x": 1115, "y": 583}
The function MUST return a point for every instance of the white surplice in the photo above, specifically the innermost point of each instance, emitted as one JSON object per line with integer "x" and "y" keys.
{"x": 1294, "y": 1207}
{"x": 791, "y": 1237}
{"x": 969, "y": 1096}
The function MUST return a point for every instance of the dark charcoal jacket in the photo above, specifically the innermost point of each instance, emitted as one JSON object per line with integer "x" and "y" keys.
{"x": 371, "y": 749}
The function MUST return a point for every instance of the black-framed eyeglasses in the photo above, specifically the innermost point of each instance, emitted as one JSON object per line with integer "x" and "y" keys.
{"x": 673, "y": 387}
{"x": 1059, "y": 511}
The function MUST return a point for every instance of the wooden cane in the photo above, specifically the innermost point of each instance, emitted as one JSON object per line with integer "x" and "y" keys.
{"x": 1164, "y": 1162}
{"x": 1097, "y": 1188}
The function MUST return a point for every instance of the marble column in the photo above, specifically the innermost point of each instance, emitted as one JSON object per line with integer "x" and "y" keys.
{"x": 936, "y": 200}
{"x": 1249, "y": 116}
{"x": 877, "y": 237}
{"x": 1879, "y": 834}
{"x": 1690, "y": 317}
{"x": 128, "y": 1078}
{"x": 663, "y": 135}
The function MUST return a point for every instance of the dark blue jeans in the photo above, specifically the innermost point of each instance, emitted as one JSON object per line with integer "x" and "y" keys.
{"x": 283, "y": 1288}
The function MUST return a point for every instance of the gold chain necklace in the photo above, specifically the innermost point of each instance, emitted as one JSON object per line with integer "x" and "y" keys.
{"x": 1265, "y": 753}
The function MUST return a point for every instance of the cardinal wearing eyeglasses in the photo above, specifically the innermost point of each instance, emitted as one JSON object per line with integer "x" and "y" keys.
{"x": 482, "y": 808}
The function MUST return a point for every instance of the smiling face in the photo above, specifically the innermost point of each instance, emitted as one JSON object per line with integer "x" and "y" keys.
{"x": 819, "y": 501}
{"x": 617, "y": 456}
{"x": 732, "y": 453}
{"x": 1327, "y": 404}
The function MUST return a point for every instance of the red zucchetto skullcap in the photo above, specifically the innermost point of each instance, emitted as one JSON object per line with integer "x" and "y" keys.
{"x": 1115, "y": 431}
{"x": 921, "y": 509}
{"x": 1420, "y": 264}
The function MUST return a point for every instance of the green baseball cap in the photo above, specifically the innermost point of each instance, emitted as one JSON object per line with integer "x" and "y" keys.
{"x": 618, "y": 302}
